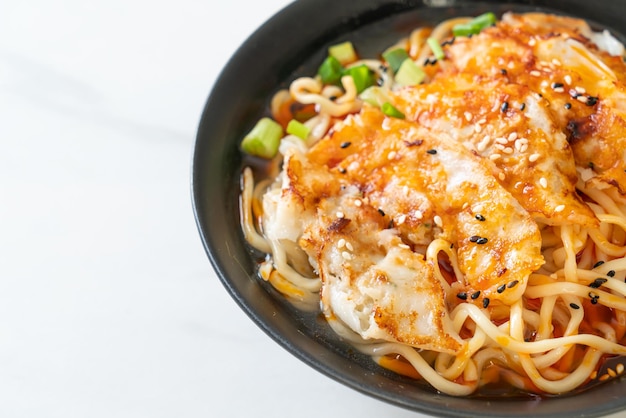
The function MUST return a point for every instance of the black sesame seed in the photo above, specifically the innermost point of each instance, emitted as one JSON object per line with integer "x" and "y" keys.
{"x": 390, "y": 225}
{"x": 501, "y": 288}
{"x": 597, "y": 283}
{"x": 380, "y": 81}
{"x": 594, "y": 301}
{"x": 452, "y": 246}
{"x": 574, "y": 306}
{"x": 332, "y": 98}
{"x": 485, "y": 302}
{"x": 448, "y": 41}
{"x": 474, "y": 238}
{"x": 345, "y": 144}
{"x": 568, "y": 106}
{"x": 557, "y": 85}
{"x": 382, "y": 213}
{"x": 513, "y": 284}
{"x": 342, "y": 170}
{"x": 611, "y": 273}
{"x": 591, "y": 101}
{"x": 504, "y": 107}
{"x": 502, "y": 71}
{"x": 482, "y": 241}
{"x": 480, "y": 217}
{"x": 598, "y": 264}
{"x": 591, "y": 164}
{"x": 432, "y": 151}
{"x": 592, "y": 295}
{"x": 522, "y": 106}
{"x": 462, "y": 296}
{"x": 476, "y": 294}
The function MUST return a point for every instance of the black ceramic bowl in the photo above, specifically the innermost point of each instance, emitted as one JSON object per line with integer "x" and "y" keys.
{"x": 291, "y": 44}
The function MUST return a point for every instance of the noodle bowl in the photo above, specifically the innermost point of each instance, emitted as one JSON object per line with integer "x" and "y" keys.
{"x": 530, "y": 112}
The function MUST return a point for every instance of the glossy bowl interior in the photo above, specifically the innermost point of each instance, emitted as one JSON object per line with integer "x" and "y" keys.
{"x": 241, "y": 96}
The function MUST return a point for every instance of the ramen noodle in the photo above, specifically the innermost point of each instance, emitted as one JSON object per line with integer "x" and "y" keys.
{"x": 457, "y": 207}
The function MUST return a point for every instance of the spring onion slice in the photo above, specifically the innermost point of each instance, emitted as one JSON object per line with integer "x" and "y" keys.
{"x": 436, "y": 48}
{"x": 330, "y": 71}
{"x": 263, "y": 140}
{"x": 362, "y": 76}
{"x": 474, "y": 26}
{"x": 409, "y": 74}
{"x": 298, "y": 129}
{"x": 375, "y": 96}
{"x": 395, "y": 58}
{"x": 343, "y": 52}
{"x": 389, "y": 110}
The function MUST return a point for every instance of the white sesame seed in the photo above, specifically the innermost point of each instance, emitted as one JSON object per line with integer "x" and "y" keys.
{"x": 401, "y": 219}
{"x": 518, "y": 145}
{"x": 478, "y": 208}
{"x": 511, "y": 65}
{"x": 501, "y": 140}
{"x": 354, "y": 165}
{"x": 341, "y": 243}
{"x": 501, "y": 176}
{"x": 478, "y": 128}
{"x": 534, "y": 157}
{"x": 418, "y": 214}
{"x": 482, "y": 121}
{"x": 358, "y": 203}
{"x": 580, "y": 90}
{"x": 544, "y": 84}
{"x": 508, "y": 150}
{"x": 559, "y": 208}
{"x": 535, "y": 73}
{"x": 349, "y": 246}
{"x": 405, "y": 190}
{"x": 499, "y": 147}
{"x": 604, "y": 377}
{"x": 346, "y": 255}
{"x": 468, "y": 116}
{"x": 339, "y": 214}
{"x": 619, "y": 368}
{"x": 582, "y": 99}
{"x": 482, "y": 145}
{"x": 593, "y": 375}
{"x": 438, "y": 221}
{"x": 532, "y": 42}
{"x": 559, "y": 90}
{"x": 543, "y": 182}
{"x": 406, "y": 247}
{"x": 391, "y": 155}
{"x": 512, "y": 136}
{"x": 524, "y": 147}
{"x": 556, "y": 62}
{"x": 568, "y": 79}
{"x": 494, "y": 157}
{"x": 611, "y": 372}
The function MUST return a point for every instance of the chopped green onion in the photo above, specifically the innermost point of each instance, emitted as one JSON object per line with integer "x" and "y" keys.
{"x": 485, "y": 20}
{"x": 465, "y": 29}
{"x": 330, "y": 71}
{"x": 263, "y": 139}
{"x": 436, "y": 48}
{"x": 409, "y": 74}
{"x": 362, "y": 76}
{"x": 298, "y": 129}
{"x": 375, "y": 96}
{"x": 395, "y": 58}
{"x": 475, "y": 25}
{"x": 389, "y": 110}
{"x": 344, "y": 53}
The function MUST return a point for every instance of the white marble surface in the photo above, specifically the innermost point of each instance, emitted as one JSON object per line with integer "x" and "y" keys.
{"x": 108, "y": 304}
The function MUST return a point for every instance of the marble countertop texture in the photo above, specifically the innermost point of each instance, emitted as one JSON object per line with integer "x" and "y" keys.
{"x": 109, "y": 306}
